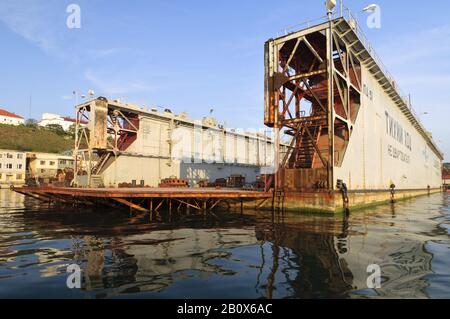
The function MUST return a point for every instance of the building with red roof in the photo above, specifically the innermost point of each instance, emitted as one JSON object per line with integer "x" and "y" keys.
{"x": 446, "y": 177}
{"x": 65, "y": 121}
{"x": 9, "y": 118}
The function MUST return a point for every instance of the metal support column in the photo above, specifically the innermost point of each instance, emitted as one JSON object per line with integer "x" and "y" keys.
{"x": 330, "y": 109}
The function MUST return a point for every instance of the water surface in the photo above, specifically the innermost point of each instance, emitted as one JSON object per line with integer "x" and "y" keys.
{"x": 257, "y": 255}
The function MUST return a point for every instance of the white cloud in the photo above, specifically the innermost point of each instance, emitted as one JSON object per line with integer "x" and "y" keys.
{"x": 116, "y": 84}
{"x": 106, "y": 52}
{"x": 418, "y": 47}
{"x": 33, "y": 21}
{"x": 43, "y": 23}
{"x": 420, "y": 63}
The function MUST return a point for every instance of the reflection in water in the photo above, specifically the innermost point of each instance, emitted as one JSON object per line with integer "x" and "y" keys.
{"x": 256, "y": 256}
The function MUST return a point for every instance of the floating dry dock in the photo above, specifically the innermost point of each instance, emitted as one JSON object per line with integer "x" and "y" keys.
{"x": 355, "y": 139}
{"x": 147, "y": 199}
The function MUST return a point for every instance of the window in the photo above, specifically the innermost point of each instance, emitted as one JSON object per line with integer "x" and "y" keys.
{"x": 18, "y": 176}
{"x": 1, "y": 155}
{"x": 9, "y": 166}
{"x": 19, "y": 166}
{"x": 62, "y": 162}
{"x": 9, "y": 155}
{"x": 19, "y": 156}
{"x": 0, "y": 165}
{"x": 42, "y": 171}
{"x": 42, "y": 162}
{"x": 52, "y": 163}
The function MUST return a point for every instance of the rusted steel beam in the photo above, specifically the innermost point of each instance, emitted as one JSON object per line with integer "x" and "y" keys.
{"x": 130, "y": 204}
{"x": 214, "y": 205}
{"x": 143, "y": 193}
{"x": 61, "y": 198}
{"x": 188, "y": 204}
{"x": 38, "y": 197}
{"x": 261, "y": 203}
{"x": 286, "y": 67}
{"x": 159, "y": 205}
{"x": 306, "y": 75}
{"x": 306, "y": 119}
{"x": 313, "y": 51}
{"x": 316, "y": 147}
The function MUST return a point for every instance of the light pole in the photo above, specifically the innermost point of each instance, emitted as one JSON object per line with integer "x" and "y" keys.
{"x": 330, "y": 5}
{"x": 75, "y": 94}
{"x": 370, "y": 8}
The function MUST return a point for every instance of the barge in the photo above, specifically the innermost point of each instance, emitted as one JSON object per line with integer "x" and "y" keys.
{"x": 149, "y": 200}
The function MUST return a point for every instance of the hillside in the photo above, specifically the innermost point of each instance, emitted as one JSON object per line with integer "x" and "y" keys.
{"x": 34, "y": 139}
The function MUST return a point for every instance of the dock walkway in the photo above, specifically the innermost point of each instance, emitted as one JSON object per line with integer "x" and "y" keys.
{"x": 146, "y": 199}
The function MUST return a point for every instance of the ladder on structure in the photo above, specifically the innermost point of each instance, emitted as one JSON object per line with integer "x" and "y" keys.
{"x": 278, "y": 199}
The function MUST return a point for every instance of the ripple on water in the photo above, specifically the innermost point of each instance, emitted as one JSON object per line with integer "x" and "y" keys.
{"x": 297, "y": 256}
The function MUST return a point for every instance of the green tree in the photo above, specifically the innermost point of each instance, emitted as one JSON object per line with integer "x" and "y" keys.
{"x": 56, "y": 128}
{"x": 31, "y": 123}
{"x": 71, "y": 131}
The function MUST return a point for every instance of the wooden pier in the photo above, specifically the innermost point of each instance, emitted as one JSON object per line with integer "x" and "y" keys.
{"x": 147, "y": 199}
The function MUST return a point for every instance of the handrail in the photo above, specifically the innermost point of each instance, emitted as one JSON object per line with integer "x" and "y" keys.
{"x": 368, "y": 46}
{"x": 348, "y": 16}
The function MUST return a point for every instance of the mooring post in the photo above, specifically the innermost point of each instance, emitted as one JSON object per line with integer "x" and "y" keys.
{"x": 392, "y": 193}
{"x": 205, "y": 206}
{"x": 151, "y": 210}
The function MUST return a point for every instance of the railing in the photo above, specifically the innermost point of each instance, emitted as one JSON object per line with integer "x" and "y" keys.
{"x": 348, "y": 15}
{"x": 368, "y": 46}
{"x": 305, "y": 25}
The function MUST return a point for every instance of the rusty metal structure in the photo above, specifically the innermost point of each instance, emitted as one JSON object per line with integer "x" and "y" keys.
{"x": 328, "y": 90}
{"x": 110, "y": 131}
{"x": 149, "y": 200}
{"x": 313, "y": 92}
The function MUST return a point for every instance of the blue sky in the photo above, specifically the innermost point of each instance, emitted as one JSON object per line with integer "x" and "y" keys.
{"x": 194, "y": 55}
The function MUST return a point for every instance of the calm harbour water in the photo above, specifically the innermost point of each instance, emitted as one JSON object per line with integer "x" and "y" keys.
{"x": 255, "y": 256}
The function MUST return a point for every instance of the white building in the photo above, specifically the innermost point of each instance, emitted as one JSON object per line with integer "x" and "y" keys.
{"x": 46, "y": 165}
{"x": 446, "y": 178}
{"x": 52, "y": 119}
{"x": 10, "y": 118}
{"x": 12, "y": 168}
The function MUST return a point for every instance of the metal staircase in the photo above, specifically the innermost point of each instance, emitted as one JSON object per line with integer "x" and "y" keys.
{"x": 305, "y": 156}
{"x": 101, "y": 163}
{"x": 97, "y": 181}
